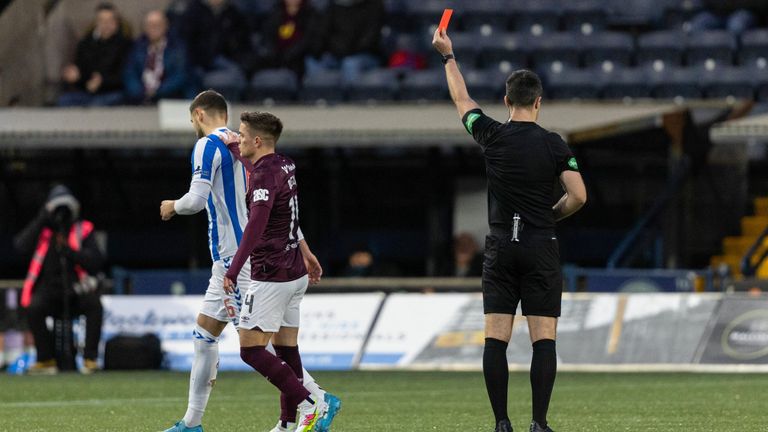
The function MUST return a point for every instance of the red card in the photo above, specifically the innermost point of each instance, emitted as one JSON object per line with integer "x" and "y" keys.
{"x": 445, "y": 19}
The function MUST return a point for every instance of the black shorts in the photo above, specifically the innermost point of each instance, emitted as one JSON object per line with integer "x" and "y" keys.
{"x": 527, "y": 271}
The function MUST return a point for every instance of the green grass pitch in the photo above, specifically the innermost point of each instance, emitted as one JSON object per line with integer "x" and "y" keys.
{"x": 390, "y": 401}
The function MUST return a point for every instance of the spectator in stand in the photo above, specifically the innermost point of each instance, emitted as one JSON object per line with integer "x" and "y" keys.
{"x": 157, "y": 66}
{"x": 218, "y": 45}
{"x": 467, "y": 261}
{"x": 352, "y": 32}
{"x": 96, "y": 76}
{"x": 286, "y": 35}
{"x": 736, "y": 16}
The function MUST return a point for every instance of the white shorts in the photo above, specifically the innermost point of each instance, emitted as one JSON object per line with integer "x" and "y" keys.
{"x": 219, "y": 305}
{"x": 271, "y": 305}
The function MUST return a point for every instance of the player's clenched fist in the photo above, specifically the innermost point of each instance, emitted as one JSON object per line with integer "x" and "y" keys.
{"x": 167, "y": 210}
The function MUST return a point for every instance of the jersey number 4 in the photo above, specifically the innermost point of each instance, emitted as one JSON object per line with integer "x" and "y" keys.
{"x": 249, "y": 302}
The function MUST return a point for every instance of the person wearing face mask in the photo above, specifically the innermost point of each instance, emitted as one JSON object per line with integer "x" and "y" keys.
{"x": 60, "y": 281}
{"x": 95, "y": 78}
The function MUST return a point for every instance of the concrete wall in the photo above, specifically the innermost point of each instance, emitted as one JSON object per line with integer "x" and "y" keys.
{"x": 21, "y": 42}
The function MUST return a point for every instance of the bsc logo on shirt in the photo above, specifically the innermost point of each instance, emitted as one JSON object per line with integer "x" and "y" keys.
{"x": 260, "y": 195}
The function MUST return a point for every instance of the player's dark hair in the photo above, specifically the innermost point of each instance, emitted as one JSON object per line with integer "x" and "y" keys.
{"x": 211, "y": 102}
{"x": 523, "y": 88}
{"x": 263, "y": 122}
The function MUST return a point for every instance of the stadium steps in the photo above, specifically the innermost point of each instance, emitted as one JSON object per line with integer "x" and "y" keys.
{"x": 734, "y": 247}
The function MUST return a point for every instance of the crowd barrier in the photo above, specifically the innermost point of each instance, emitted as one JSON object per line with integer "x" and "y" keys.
{"x": 638, "y": 331}
{"x": 422, "y": 329}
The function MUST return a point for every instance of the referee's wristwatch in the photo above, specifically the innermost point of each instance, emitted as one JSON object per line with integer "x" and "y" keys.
{"x": 447, "y": 57}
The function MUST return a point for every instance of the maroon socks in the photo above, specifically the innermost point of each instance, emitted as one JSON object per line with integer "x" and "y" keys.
{"x": 278, "y": 372}
{"x": 290, "y": 355}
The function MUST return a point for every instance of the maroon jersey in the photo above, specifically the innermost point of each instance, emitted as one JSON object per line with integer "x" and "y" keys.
{"x": 271, "y": 235}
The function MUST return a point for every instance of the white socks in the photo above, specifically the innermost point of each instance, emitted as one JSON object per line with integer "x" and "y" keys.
{"x": 204, "y": 368}
{"x": 318, "y": 394}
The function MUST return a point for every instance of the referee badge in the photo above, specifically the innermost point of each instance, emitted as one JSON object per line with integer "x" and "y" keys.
{"x": 572, "y": 163}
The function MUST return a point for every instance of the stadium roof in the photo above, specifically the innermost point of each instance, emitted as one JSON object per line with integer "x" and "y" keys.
{"x": 305, "y": 126}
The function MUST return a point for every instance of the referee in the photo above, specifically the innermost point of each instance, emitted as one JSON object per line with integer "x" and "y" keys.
{"x": 523, "y": 162}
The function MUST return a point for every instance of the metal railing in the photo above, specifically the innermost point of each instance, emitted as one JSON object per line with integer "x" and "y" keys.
{"x": 630, "y": 244}
{"x": 749, "y": 264}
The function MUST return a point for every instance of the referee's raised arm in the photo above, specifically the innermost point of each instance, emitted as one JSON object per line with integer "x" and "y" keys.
{"x": 456, "y": 85}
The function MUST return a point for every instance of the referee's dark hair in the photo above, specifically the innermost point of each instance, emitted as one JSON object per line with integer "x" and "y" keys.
{"x": 211, "y": 102}
{"x": 263, "y": 122}
{"x": 523, "y": 88}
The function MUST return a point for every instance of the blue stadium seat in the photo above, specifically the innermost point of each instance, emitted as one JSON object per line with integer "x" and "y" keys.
{"x": 620, "y": 82}
{"x": 466, "y": 47}
{"x": 666, "y": 47}
{"x": 607, "y": 46}
{"x": 584, "y": 16}
{"x": 571, "y": 83}
{"x": 424, "y": 85}
{"x": 379, "y": 84}
{"x": 552, "y": 48}
{"x": 486, "y": 84}
{"x": 638, "y": 13}
{"x": 754, "y": 48}
{"x": 276, "y": 84}
{"x": 711, "y": 46}
{"x": 537, "y": 17}
{"x": 424, "y": 15}
{"x": 322, "y": 86}
{"x": 760, "y": 74}
{"x": 485, "y": 15}
{"x": 396, "y": 15}
{"x": 729, "y": 81}
{"x": 230, "y": 83}
{"x": 674, "y": 82}
{"x": 503, "y": 52}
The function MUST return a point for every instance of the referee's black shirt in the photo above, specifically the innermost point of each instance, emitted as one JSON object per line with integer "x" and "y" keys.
{"x": 523, "y": 162}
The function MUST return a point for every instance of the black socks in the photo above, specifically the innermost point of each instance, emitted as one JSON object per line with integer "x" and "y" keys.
{"x": 543, "y": 371}
{"x": 496, "y": 373}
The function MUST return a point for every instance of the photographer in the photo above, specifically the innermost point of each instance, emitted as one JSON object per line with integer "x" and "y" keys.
{"x": 59, "y": 282}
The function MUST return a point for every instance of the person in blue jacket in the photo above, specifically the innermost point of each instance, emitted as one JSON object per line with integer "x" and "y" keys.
{"x": 157, "y": 66}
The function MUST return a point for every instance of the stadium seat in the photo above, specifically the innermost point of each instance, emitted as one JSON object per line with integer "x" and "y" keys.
{"x": 503, "y": 52}
{"x": 673, "y": 82}
{"x": 485, "y": 84}
{"x": 322, "y": 86}
{"x": 619, "y": 82}
{"x": 711, "y": 46}
{"x": 230, "y": 83}
{"x": 424, "y": 85}
{"x": 666, "y": 47}
{"x": 535, "y": 18}
{"x": 486, "y": 16}
{"x": 636, "y": 13}
{"x": 584, "y": 16}
{"x": 553, "y": 48}
{"x": 571, "y": 83}
{"x": 729, "y": 81}
{"x": 275, "y": 84}
{"x": 754, "y": 48}
{"x": 607, "y": 46}
{"x": 466, "y": 47}
{"x": 424, "y": 15}
{"x": 396, "y": 15}
{"x": 379, "y": 84}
